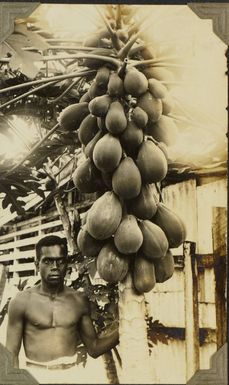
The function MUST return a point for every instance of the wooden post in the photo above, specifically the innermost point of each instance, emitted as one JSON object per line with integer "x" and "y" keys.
{"x": 219, "y": 255}
{"x": 191, "y": 310}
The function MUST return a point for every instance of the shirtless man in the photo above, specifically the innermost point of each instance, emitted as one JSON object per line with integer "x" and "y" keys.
{"x": 51, "y": 318}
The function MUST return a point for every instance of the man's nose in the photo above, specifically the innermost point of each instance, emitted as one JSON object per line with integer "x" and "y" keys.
{"x": 54, "y": 265}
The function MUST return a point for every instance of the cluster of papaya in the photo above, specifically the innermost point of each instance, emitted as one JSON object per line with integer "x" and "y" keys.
{"x": 124, "y": 130}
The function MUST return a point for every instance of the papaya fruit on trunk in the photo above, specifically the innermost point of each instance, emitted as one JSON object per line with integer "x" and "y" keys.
{"x": 164, "y": 130}
{"x": 102, "y": 76}
{"x": 87, "y": 178}
{"x": 89, "y": 246}
{"x": 171, "y": 224}
{"x": 167, "y": 104}
{"x": 128, "y": 237}
{"x": 104, "y": 216}
{"x": 135, "y": 82}
{"x": 87, "y": 129}
{"x": 126, "y": 180}
{"x": 151, "y": 105}
{"x": 85, "y": 98}
{"x": 131, "y": 138}
{"x": 112, "y": 266}
{"x": 143, "y": 275}
{"x": 155, "y": 244}
{"x": 71, "y": 116}
{"x": 107, "y": 153}
{"x": 115, "y": 86}
{"x": 99, "y": 105}
{"x": 158, "y": 73}
{"x": 157, "y": 89}
{"x": 151, "y": 162}
{"x": 164, "y": 267}
{"x": 140, "y": 117}
{"x": 88, "y": 151}
{"x": 96, "y": 90}
{"x": 115, "y": 120}
{"x": 144, "y": 205}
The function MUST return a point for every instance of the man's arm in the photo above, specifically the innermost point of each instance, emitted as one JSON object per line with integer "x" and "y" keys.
{"x": 15, "y": 326}
{"x": 95, "y": 345}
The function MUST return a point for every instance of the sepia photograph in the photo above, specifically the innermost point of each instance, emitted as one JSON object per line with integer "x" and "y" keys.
{"x": 113, "y": 193}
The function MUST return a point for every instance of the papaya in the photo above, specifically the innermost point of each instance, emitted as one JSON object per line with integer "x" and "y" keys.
{"x": 157, "y": 89}
{"x": 99, "y": 105}
{"x": 164, "y": 149}
{"x": 164, "y": 267}
{"x": 135, "y": 82}
{"x": 107, "y": 153}
{"x": 164, "y": 130}
{"x": 102, "y": 76}
{"x": 115, "y": 120}
{"x": 144, "y": 205}
{"x": 87, "y": 129}
{"x": 85, "y": 98}
{"x": 155, "y": 244}
{"x": 139, "y": 117}
{"x": 104, "y": 216}
{"x": 151, "y": 162}
{"x": 86, "y": 177}
{"x": 115, "y": 86}
{"x": 96, "y": 90}
{"x": 111, "y": 265}
{"x": 71, "y": 116}
{"x": 126, "y": 180}
{"x": 128, "y": 237}
{"x": 144, "y": 278}
{"x": 107, "y": 179}
{"x": 89, "y": 246}
{"x": 171, "y": 224}
{"x": 151, "y": 105}
{"x": 131, "y": 138}
{"x": 101, "y": 124}
{"x": 161, "y": 74}
{"x": 167, "y": 104}
{"x": 96, "y": 63}
{"x": 84, "y": 218}
{"x": 88, "y": 151}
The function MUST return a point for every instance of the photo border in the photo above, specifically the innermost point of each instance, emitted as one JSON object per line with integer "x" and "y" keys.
{"x": 219, "y": 14}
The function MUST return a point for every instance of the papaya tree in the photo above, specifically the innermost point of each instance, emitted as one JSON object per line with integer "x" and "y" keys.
{"x": 106, "y": 129}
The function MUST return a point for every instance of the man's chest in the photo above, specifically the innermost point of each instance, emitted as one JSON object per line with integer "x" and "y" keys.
{"x": 44, "y": 312}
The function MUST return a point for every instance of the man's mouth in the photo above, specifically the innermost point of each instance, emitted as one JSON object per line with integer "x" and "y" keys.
{"x": 54, "y": 276}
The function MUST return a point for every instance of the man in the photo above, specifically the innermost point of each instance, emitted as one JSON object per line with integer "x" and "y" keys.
{"x": 51, "y": 318}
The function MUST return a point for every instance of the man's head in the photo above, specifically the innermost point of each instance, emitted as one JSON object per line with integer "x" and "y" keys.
{"x": 51, "y": 259}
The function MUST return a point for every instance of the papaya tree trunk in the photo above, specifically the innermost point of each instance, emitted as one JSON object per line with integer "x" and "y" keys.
{"x": 110, "y": 367}
{"x": 72, "y": 246}
{"x": 134, "y": 349}
{"x": 108, "y": 358}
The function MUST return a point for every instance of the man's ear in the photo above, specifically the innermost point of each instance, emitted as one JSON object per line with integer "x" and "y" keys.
{"x": 37, "y": 265}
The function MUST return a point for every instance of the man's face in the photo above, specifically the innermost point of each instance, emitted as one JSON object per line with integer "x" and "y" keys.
{"x": 52, "y": 264}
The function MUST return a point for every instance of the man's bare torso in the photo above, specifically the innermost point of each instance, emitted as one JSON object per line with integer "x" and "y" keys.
{"x": 50, "y": 323}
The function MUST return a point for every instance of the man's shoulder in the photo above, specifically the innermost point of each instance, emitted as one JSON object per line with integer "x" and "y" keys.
{"x": 81, "y": 298}
{"x": 18, "y": 302}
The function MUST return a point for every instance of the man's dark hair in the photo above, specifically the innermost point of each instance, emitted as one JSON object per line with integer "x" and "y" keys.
{"x": 51, "y": 240}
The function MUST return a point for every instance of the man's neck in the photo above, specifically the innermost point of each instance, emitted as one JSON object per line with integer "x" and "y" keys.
{"x": 51, "y": 290}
